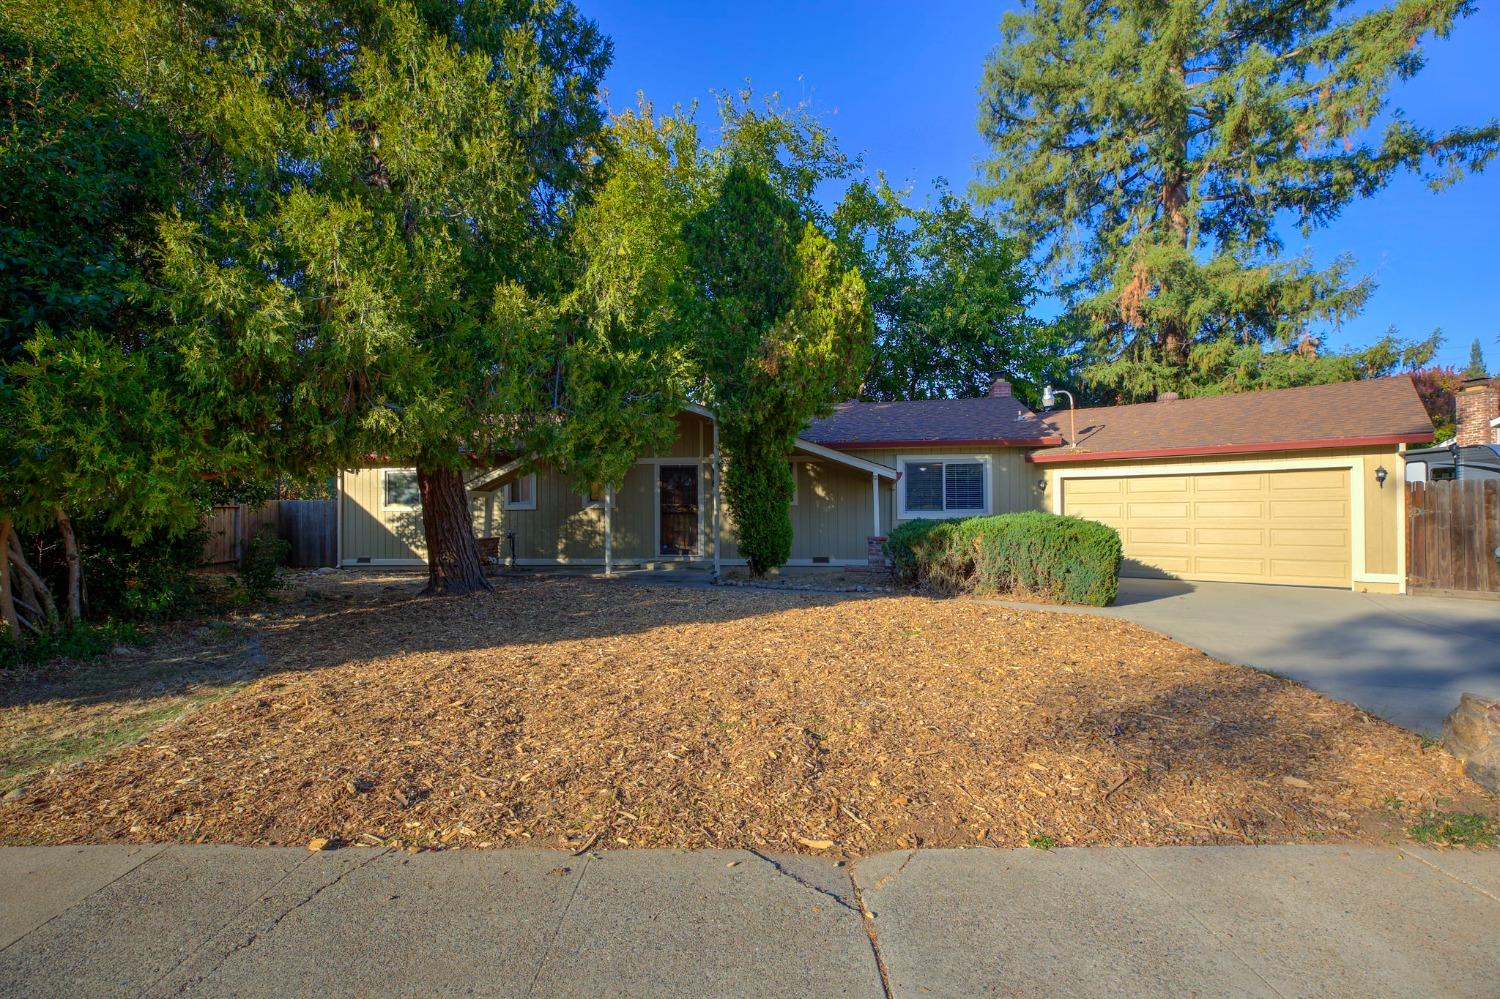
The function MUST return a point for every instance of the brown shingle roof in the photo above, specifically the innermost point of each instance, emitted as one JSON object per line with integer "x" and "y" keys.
{"x": 991, "y": 421}
{"x": 1348, "y": 414}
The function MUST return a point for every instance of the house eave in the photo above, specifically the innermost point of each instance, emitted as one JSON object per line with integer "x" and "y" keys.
{"x": 944, "y": 442}
{"x": 1061, "y": 456}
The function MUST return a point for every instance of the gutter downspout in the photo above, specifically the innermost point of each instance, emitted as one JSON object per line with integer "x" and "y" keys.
{"x": 717, "y": 491}
{"x": 609, "y": 530}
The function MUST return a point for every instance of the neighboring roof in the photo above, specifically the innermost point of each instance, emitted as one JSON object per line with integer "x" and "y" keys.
{"x": 1347, "y": 414}
{"x": 989, "y": 421}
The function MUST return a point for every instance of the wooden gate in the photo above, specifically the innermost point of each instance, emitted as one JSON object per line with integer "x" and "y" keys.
{"x": 1452, "y": 536}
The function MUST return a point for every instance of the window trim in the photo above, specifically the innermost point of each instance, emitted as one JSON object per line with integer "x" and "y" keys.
{"x": 385, "y": 474}
{"x": 983, "y": 460}
{"x": 506, "y": 503}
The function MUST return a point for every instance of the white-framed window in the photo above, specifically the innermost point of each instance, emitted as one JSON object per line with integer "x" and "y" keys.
{"x": 943, "y": 486}
{"x": 520, "y": 492}
{"x": 398, "y": 489}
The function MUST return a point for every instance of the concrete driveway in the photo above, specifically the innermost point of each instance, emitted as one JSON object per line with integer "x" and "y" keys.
{"x": 1405, "y": 658}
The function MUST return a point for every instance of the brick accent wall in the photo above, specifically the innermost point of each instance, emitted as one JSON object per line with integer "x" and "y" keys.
{"x": 1475, "y": 405}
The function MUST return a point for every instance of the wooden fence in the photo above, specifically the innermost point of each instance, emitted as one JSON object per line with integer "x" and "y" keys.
{"x": 1452, "y": 536}
{"x": 309, "y": 526}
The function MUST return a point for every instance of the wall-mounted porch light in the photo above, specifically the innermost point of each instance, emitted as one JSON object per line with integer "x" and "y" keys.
{"x": 1380, "y": 474}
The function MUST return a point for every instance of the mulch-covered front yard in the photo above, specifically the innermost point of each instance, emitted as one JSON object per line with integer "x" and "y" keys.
{"x": 581, "y": 713}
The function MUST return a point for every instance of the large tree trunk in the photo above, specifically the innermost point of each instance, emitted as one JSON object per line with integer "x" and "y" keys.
{"x": 75, "y": 569}
{"x": 453, "y": 564}
{"x": 7, "y": 601}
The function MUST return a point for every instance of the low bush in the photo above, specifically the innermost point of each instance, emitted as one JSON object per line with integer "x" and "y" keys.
{"x": 1060, "y": 558}
{"x": 260, "y": 569}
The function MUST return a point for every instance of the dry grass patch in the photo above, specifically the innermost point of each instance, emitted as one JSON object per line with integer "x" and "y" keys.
{"x": 582, "y": 713}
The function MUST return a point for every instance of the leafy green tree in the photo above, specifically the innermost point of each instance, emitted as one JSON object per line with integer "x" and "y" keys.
{"x": 950, "y": 294}
{"x": 96, "y": 424}
{"x": 778, "y": 324}
{"x": 394, "y": 278}
{"x": 1226, "y": 365}
{"x": 1476, "y": 367}
{"x": 1146, "y": 151}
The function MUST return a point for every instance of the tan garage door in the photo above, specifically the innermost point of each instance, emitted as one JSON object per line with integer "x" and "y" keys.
{"x": 1252, "y": 527}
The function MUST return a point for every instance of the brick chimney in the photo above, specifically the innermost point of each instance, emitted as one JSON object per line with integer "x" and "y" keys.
{"x": 1001, "y": 387}
{"x": 1475, "y": 405}
{"x": 1168, "y": 397}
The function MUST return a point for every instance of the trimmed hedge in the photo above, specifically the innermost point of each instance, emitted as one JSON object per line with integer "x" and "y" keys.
{"x": 1064, "y": 558}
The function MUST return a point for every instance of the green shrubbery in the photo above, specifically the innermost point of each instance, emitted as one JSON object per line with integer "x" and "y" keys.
{"x": 1061, "y": 558}
{"x": 260, "y": 569}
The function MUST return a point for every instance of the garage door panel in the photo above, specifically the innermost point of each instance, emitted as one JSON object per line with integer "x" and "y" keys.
{"x": 1157, "y": 484}
{"x": 1310, "y": 509}
{"x": 1290, "y": 526}
{"x": 1216, "y": 565}
{"x": 1137, "y": 510}
{"x": 1140, "y": 536}
{"x": 1229, "y": 510}
{"x": 1252, "y": 537}
{"x": 1334, "y": 480}
{"x": 1097, "y": 487}
{"x": 1312, "y": 572}
{"x": 1110, "y": 513}
{"x": 1171, "y": 565}
{"x": 1332, "y": 538}
{"x": 1245, "y": 482}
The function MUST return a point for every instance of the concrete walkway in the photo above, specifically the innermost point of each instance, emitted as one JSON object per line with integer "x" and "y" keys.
{"x": 1264, "y": 921}
{"x": 1405, "y": 658}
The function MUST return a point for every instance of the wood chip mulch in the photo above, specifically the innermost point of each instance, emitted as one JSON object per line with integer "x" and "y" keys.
{"x": 588, "y": 714}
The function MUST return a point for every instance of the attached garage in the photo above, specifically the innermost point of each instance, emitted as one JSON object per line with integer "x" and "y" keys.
{"x": 1295, "y": 486}
{"x": 1291, "y": 526}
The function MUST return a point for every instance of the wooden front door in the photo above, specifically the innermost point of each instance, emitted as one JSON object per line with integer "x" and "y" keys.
{"x": 677, "y": 492}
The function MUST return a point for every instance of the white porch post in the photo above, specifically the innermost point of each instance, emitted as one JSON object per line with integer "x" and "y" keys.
{"x": 609, "y": 530}
{"x": 717, "y": 490}
{"x": 875, "y": 501}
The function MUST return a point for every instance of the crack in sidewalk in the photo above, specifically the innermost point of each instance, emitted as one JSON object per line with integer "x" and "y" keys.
{"x": 150, "y": 855}
{"x": 1450, "y": 875}
{"x": 1206, "y": 928}
{"x": 868, "y": 919}
{"x": 256, "y": 933}
{"x": 781, "y": 869}
{"x": 562, "y": 918}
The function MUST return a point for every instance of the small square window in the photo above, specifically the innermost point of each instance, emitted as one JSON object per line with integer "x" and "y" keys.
{"x": 520, "y": 493}
{"x": 398, "y": 489}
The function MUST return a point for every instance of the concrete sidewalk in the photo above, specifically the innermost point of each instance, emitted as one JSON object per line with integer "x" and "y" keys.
{"x": 1260, "y": 921}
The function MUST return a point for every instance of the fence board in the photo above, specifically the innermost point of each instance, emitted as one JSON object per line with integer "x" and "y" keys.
{"x": 310, "y": 527}
{"x": 1452, "y": 532}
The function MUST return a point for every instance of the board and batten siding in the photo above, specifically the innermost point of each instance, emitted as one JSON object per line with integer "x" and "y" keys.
{"x": 381, "y": 535}
{"x": 832, "y": 518}
{"x": 1011, "y": 487}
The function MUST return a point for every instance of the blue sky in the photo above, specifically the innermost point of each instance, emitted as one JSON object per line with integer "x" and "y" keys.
{"x": 898, "y": 84}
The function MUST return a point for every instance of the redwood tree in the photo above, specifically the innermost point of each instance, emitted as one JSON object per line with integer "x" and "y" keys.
{"x": 1147, "y": 151}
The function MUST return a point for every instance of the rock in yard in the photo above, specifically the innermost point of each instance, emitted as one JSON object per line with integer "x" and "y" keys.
{"x": 1472, "y": 733}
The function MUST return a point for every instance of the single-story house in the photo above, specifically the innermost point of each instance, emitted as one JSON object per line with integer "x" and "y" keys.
{"x": 1285, "y": 486}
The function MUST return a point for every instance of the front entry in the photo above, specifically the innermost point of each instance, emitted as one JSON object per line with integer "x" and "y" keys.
{"x": 677, "y": 495}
